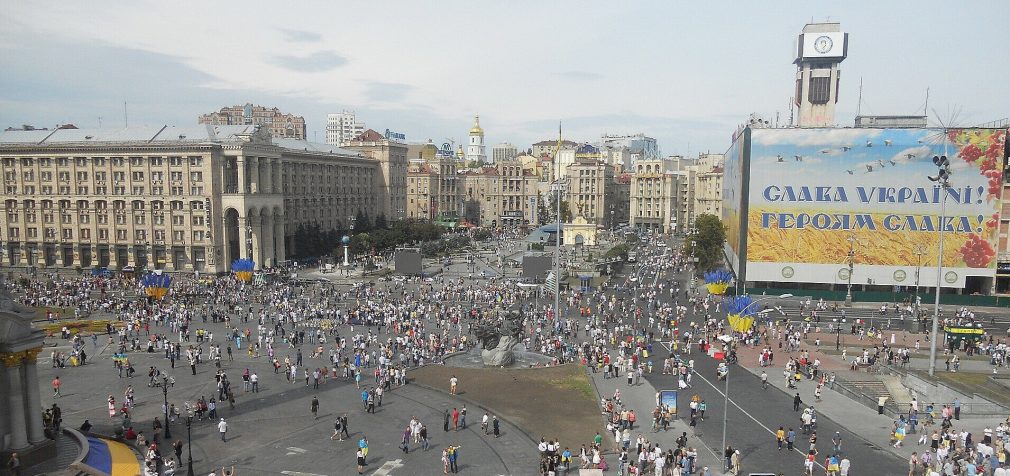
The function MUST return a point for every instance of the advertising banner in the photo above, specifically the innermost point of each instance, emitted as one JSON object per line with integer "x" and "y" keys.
{"x": 669, "y": 398}
{"x": 733, "y": 199}
{"x": 815, "y": 194}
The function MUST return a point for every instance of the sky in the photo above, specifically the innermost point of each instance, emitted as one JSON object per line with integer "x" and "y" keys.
{"x": 685, "y": 73}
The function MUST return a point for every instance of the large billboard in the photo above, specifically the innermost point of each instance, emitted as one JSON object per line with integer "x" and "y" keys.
{"x": 734, "y": 191}
{"x": 812, "y": 195}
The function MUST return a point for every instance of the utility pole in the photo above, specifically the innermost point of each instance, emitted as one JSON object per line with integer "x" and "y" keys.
{"x": 943, "y": 179}
{"x": 557, "y": 232}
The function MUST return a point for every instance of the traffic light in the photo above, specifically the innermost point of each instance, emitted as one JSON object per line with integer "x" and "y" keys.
{"x": 943, "y": 169}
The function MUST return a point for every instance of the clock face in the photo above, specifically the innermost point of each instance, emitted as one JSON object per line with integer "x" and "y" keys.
{"x": 823, "y": 44}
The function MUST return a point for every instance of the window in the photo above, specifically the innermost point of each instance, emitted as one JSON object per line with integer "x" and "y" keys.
{"x": 178, "y": 236}
{"x": 31, "y": 217}
{"x": 84, "y": 218}
{"x": 195, "y": 161}
{"x": 157, "y": 190}
{"x": 175, "y": 161}
{"x": 50, "y": 233}
{"x": 64, "y": 176}
{"x": 101, "y": 190}
{"x": 62, "y": 162}
{"x": 100, "y": 176}
{"x": 819, "y": 90}
{"x": 118, "y": 176}
{"x": 196, "y": 205}
{"x": 138, "y": 189}
{"x": 120, "y": 219}
{"x": 138, "y": 176}
{"x": 157, "y": 161}
{"x": 157, "y": 176}
{"x": 12, "y": 217}
{"x": 176, "y": 191}
{"x": 103, "y": 219}
{"x": 121, "y": 235}
{"x": 117, "y": 161}
{"x": 13, "y": 232}
{"x": 64, "y": 189}
{"x": 68, "y": 234}
{"x": 198, "y": 220}
{"x": 82, "y": 176}
{"x": 176, "y": 205}
{"x": 198, "y": 235}
{"x": 103, "y": 234}
{"x": 197, "y": 191}
{"x": 176, "y": 176}
{"x": 139, "y": 219}
{"x": 136, "y": 161}
{"x": 159, "y": 235}
{"x": 178, "y": 220}
{"x": 85, "y": 233}
{"x": 157, "y": 205}
{"x": 137, "y": 204}
{"x": 99, "y": 161}
{"x": 196, "y": 176}
{"x": 119, "y": 190}
{"x": 33, "y": 232}
{"x": 11, "y": 189}
{"x": 82, "y": 189}
{"x": 28, "y": 162}
{"x": 158, "y": 219}
{"x": 141, "y": 235}
{"x": 66, "y": 218}
{"x": 47, "y": 190}
{"x": 28, "y": 176}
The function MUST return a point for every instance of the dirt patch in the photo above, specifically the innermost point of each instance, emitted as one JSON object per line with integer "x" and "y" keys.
{"x": 556, "y": 402}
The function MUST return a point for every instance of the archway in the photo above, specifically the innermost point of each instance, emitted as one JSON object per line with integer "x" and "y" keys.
{"x": 231, "y": 236}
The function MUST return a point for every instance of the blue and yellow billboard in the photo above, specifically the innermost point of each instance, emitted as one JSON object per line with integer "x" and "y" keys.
{"x": 812, "y": 195}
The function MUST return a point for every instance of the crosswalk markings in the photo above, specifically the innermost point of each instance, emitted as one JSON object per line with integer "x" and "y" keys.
{"x": 388, "y": 466}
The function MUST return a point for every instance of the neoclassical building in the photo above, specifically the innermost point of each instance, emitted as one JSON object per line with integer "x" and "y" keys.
{"x": 20, "y": 402}
{"x": 179, "y": 199}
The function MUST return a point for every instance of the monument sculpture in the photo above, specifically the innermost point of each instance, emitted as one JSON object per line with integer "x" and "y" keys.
{"x": 499, "y": 338}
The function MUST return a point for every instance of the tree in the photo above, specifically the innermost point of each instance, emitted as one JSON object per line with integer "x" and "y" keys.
{"x": 708, "y": 239}
{"x": 380, "y": 222}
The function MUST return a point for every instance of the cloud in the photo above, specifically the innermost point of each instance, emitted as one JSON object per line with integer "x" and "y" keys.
{"x": 580, "y": 75}
{"x": 301, "y": 36}
{"x": 814, "y": 137}
{"x": 318, "y": 62}
{"x": 379, "y": 91}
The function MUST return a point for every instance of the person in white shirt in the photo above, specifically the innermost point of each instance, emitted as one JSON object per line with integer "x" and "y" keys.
{"x": 222, "y": 428}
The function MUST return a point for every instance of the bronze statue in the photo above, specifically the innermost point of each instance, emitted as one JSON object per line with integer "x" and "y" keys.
{"x": 498, "y": 338}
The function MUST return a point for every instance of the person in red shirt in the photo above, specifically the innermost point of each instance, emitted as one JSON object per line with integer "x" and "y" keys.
{"x": 56, "y": 387}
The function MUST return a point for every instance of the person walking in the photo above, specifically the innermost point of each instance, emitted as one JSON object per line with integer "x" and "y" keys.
{"x": 360, "y": 455}
{"x": 405, "y": 440}
{"x": 315, "y": 408}
{"x": 445, "y": 425}
{"x": 797, "y": 401}
{"x": 494, "y": 425}
{"x": 453, "y": 385}
{"x": 363, "y": 448}
{"x": 14, "y": 464}
{"x": 455, "y": 419}
{"x": 454, "y": 458}
{"x": 343, "y": 426}
{"x": 222, "y": 427}
{"x": 56, "y": 387}
{"x": 338, "y": 429}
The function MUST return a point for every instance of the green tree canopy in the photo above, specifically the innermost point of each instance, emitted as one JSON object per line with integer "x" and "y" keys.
{"x": 710, "y": 234}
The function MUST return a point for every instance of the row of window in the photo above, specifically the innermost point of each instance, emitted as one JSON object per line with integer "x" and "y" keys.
{"x": 103, "y": 204}
{"x": 120, "y": 219}
{"x": 194, "y": 190}
{"x": 101, "y": 176}
{"x": 178, "y": 236}
{"x": 194, "y": 161}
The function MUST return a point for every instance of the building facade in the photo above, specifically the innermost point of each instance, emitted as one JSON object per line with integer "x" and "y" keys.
{"x": 392, "y": 158}
{"x": 707, "y": 185}
{"x": 503, "y": 151}
{"x": 591, "y": 190}
{"x": 342, "y": 127}
{"x": 653, "y": 196}
{"x": 270, "y": 118}
{"x": 179, "y": 199}
{"x": 433, "y": 191}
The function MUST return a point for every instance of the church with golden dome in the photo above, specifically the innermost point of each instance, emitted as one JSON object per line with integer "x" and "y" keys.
{"x": 475, "y": 151}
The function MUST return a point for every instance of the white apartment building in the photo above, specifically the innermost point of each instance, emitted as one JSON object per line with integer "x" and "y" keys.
{"x": 342, "y": 127}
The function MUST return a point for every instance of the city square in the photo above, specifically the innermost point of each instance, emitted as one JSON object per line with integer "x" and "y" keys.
{"x": 503, "y": 239}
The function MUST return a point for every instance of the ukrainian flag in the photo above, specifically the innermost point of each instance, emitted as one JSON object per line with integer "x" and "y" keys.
{"x": 111, "y": 457}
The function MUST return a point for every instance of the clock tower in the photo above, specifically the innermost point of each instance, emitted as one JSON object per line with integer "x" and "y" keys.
{"x": 820, "y": 49}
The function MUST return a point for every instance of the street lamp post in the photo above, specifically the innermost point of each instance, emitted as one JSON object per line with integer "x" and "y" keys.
{"x": 852, "y": 257}
{"x": 189, "y": 444}
{"x": 943, "y": 179}
{"x": 164, "y": 390}
{"x": 249, "y": 239}
{"x": 919, "y": 251}
{"x": 725, "y": 394}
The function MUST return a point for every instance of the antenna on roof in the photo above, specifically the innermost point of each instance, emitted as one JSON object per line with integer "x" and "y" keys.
{"x": 126, "y": 116}
{"x": 859, "y": 103}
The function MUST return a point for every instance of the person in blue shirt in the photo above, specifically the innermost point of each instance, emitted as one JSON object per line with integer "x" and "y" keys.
{"x": 364, "y": 398}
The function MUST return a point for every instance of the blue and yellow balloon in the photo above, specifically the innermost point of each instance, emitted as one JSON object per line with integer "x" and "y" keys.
{"x": 740, "y": 313}
{"x": 717, "y": 282}
{"x": 243, "y": 269}
{"x": 156, "y": 284}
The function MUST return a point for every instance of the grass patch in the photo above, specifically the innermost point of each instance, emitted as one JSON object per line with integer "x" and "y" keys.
{"x": 578, "y": 383}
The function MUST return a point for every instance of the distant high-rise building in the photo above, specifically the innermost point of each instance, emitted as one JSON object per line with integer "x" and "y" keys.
{"x": 820, "y": 49}
{"x": 271, "y": 118}
{"x": 640, "y": 147}
{"x": 503, "y": 151}
{"x": 475, "y": 147}
{"x": 342, "y": 127}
